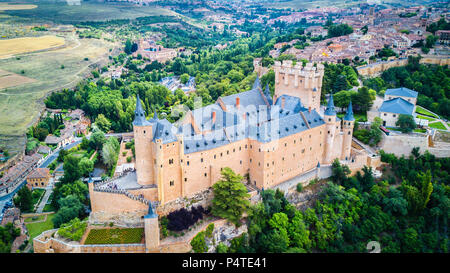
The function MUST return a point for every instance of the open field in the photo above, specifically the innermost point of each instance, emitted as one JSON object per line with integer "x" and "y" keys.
{"x": 20, "y": 106}
{"x": 60, "y": 12}
{"x": 8, "y": 79}
{"x": 9, "y": 6}
{"x": 16, "y": 46}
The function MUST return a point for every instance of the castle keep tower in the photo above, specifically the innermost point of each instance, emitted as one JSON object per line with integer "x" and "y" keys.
{"x": 143, "y": 136}
{"x": 330, "y": 121}
{"x": 298, "y": 81}
{"x": 347, "y": 129}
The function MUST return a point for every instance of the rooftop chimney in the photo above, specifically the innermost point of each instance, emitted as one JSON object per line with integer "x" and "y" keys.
{"x": 237, "y": 102}
{"x": 213, "y": 117}
{"x": 309, "y": 109}
{"x": 283, "y": 99}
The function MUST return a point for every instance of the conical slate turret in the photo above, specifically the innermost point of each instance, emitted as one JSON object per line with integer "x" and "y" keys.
{"x": 257, "y": 83}
{"x": 349, "y": 115}
{"x": 330, "y": 111}
{"x": 139, "y": 114}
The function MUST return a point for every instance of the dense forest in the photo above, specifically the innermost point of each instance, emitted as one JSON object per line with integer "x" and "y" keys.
{"x": 405, "y": 211}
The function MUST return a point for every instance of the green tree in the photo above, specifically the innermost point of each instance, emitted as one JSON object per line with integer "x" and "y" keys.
{"x": 406, "y": 123}
{"x": 103, "y": 123}
{"x": 198, "y": 243}
{"x": 86, "y": 166}
{"x": 230, "y": 197}
{"x": 24, "y": 199}
{"x": 184, "y": 78}
{"x": 71, "y": 169}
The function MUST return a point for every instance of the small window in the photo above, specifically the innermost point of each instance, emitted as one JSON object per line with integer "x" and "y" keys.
{"x": 201, "y": 159}
{"x": 206, "y": 174}
{"x": 171, "y": 183}
{"x": 185, "y": 179}
{"x": 187, "y": 162}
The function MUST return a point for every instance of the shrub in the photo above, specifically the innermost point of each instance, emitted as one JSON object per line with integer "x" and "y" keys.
{"x": 209, "y": 230}
{"x": 73, "y": 230}
{"x": 129, "y": 159}
{"x": 182, "y": 219}
{"x": 198, "y": 243}
{"x": 299, "y": 187}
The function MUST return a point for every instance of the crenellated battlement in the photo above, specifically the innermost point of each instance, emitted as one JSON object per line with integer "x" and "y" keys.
{"x": 309, "y": 70}
{"x": 304, "y": 82}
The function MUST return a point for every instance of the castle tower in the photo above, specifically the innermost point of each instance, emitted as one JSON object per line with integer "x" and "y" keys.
{"x": 304, "y": 82}
{"x": 143, "y": 136}
{"x": 347, "y": 128}
{"x": 151, "y": 229}
{"x": 330, "y": 121}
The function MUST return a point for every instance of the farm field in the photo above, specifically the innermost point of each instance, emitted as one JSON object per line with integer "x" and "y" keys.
{"x": 11, "y": 47}
{"x": 60, "y": 12}
{"x": 10, "y": 6}
{"x": 8, "y": 79}
{"x": 20, "y": 105}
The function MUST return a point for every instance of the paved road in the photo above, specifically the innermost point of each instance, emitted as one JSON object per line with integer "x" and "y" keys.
{"x": 48, "y": 192}
{"x": 44, "y": 164}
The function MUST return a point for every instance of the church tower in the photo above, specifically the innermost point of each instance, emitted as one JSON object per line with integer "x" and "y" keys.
{"x": 347, "y": 128}
{"x": 330, "y": 121}
{"x": 304, "y": 82}
{"x": 143, "y": 136}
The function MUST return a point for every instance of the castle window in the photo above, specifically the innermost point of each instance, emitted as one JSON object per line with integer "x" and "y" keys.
{"x": 206, "y": 174}
{"x": 329, "y": 119}
{"x": 250, "y": 160}
{"x": 239, "y": 148}
{"x": 170, "y": 161}
{"x": 185, "y": 179}
{"x": 328, "y": 132}
{"x": 303, "y": 151}
{"x": 245, "y": 146}
{"x": 220, "y": 154}
{"x": 201, "y": 159}
{"x": 285, "y": 144}
{"x": 267, "y": 164}
{"x": 259, "y": 163}
{"x": 228, "y": 152}
{"x": 187, "y": 162}
{"x": 240, "y": 162}
{"x": 234, "y": 150}
{"x": 214, "y": 156}
{"x": 349, "y": 132}
{"x": 171, "y": 183}
{"x": 259, "y": 149}
{"x": 144, "y": 132}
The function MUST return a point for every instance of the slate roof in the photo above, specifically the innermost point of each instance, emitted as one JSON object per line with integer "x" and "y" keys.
{"x": 402, "y": 92}
{"x": 349, "y": 115}
{"x": 258, "y": 121}
{"x": 330, "y": 111}
{"x": 397, "y": 106}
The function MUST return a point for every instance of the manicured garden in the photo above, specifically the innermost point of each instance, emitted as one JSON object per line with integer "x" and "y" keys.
{"x": 35, "y": 229}
{"x": 437, "y": 125}
{"x": 423, "y": 111}
{"x": 115, "y": 236}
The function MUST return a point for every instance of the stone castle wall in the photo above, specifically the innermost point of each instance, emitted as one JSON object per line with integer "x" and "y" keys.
{"x": 377, "y": 68}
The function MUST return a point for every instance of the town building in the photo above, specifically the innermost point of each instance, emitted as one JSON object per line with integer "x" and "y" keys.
{"x": 396, "y": 102}
{"x": 149, "y": 49}
{"x": 38, "y": 178}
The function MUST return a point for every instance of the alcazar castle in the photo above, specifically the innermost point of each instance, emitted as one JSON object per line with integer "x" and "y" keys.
{"x": 267, "y": 139}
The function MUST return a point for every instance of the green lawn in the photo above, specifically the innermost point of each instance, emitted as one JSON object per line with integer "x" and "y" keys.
{"x": 437, "y": 125}
{"x": 35, "y": 229}
{"x": 48, "y": 208}
{"x": 420, "y": 130}
{"x": 423, "y": 111}
{"x": 115, "y": 236}
{"x": 425, "y": 117}
{"x": 34, "y": 219}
